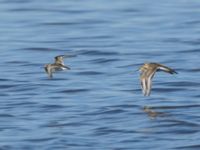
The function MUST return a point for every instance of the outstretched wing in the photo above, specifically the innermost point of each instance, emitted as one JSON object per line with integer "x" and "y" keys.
{"x": 166, "y": 69}
{"x": 59, "y": 67}
{"x": 66, "y": 67}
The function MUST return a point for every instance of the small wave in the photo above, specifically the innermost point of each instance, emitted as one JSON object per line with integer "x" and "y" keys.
{"x": 72, "y": 124}
{"x": 169, "y": 89}
{"x": 52, "y": 106}
{"x": 107, "y": 131}
{"x": 112, "y": 111}
{"x": 189, "y": 147}
{"x": 192, "y": 51}
{"x": 3, "y": 79}
{"x": 97, "y": 53}
{"x": 38, "y": 140}
{"x": 90, "y": 73}
{"x": 176, "y": 107}
{"x": 6, "y": 116}
{"x": 40, "y": 49}
{"x": 182, "y": 84}
{"x": 17, "y": 62}
{"x": 129, "y": 10}
{"x": 4, "y": 86}
{"x": 104, "y": 60}
{"x": 75, "y": 91}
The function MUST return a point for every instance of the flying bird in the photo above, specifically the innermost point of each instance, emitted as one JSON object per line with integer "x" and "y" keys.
{"x": 58, "y": 65}
{"x": 148, "y": 71}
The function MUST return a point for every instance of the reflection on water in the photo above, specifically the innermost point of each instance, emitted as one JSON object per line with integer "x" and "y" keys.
{"x": 151, "y": 113}
{"x": 97, "y": 104}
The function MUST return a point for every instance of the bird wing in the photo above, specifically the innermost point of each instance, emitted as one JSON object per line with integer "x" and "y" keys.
{"x": 146, "y": 80}
{"x": 59, "y": 67}
{"x": 46, "y": 70}
{"x": 166, "y": 69}
{"x": 49, "y": 71}
{"x": 66, "y": 67}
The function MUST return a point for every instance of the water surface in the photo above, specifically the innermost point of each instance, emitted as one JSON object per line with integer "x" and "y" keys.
{"x": 99, "y": 104}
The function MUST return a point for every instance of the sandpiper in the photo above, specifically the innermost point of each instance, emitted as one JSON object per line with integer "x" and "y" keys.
{"x": 58, "y": 65}
{"x": 147, "y": 72}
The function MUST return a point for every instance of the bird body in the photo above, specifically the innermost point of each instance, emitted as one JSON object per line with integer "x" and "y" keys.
{"x": 58, "y": 65}
{"x": 148, "y": 71}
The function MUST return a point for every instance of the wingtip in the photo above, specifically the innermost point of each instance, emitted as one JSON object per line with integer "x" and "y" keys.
{"x": 174, "y": 72}
{"x": 67, "y": 67}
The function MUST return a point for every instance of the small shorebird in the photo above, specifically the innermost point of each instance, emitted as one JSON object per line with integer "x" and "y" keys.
{"x": 58, "y": 65}
{"x": 147, "y": 72}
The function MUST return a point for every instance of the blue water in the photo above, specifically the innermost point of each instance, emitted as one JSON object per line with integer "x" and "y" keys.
{"x": 98, "y": 104}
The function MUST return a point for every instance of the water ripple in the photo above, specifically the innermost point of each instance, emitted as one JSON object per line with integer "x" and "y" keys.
{"x": 89, "y": 73}
{"x": 98, "y": 104}
{"x": 98, "y": 53}
{"x": 74, "y": 91}
{"x": 189, "y": 147}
